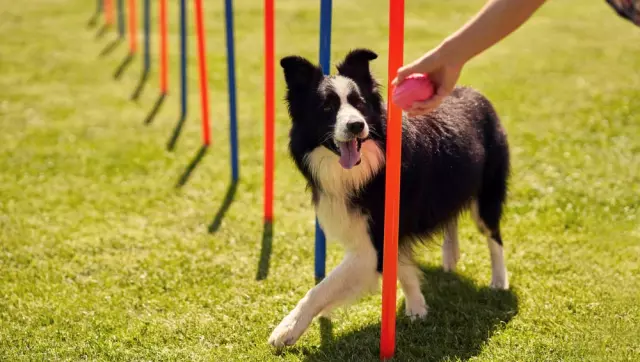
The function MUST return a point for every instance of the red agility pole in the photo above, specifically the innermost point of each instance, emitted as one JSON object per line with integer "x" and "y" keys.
{"x": 269, "y": 109}
{"x": 133, "y": 40}
{"x": 202, "y": 60}
{"x": 108, "y": 12}
{"x": 392, "y": 194}
{"x": 164, "y": 84}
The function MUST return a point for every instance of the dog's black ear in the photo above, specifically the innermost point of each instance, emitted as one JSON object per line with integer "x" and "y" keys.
{"x": 356, "y": 66}
{"x": 299, "y": 73}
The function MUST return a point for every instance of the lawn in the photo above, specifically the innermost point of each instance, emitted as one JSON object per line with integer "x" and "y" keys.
{"x": 104, "y": 256}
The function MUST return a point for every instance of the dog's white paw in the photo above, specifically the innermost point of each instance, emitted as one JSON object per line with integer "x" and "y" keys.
{"x": 499, "y": 282}
{"x": 449, "y": 264}
{"x": 288, "y": 331}
{"x": 416, "y": 309}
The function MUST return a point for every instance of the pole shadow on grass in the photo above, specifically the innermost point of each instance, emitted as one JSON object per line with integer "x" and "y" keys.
{"x": 226, "y": 203}
{"x": 93, "y": 20}
{"x": 123, "y": 66}
{"x": 102, "y": 31}
{"x": 109, "y": 48}
{"x": 140, "y": 87}
{"x": 265, "y": 251}
{"x": 171, "y": 145}
{"x": 154, "y": 111}
{"x": 191, "y": 166}
{"x": 462, "y": 318}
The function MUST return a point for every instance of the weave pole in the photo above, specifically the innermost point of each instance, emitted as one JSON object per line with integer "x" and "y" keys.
{"x": 121, "y": 29}
{"x": 202, "y": 62}
{"x": 147, "y": 36}
{"x": 325, "y": 63}
{"x": 164, "y": 68}
{"x": 231, "y": 81}
{"x": 269, "y": 109}
{"x": 392, "y": 193}
{"x": 183, "y": 59}
{"x": 108, "y": 12}
{"x": 133, "y": 37}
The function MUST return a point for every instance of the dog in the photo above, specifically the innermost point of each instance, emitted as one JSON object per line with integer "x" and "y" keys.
{"x": 453, "y": 159}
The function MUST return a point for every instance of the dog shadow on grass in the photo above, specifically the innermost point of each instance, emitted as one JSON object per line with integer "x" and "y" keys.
{"x": 462, "y": 318}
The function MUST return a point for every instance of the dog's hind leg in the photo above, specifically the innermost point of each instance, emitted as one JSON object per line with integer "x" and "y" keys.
{"x": 487, "y": 208}
{"x": 490, "y": 227}
{"x": 409, "y": 276}
{"x": 499, "y": 278}
{"x": 355, "y": 275}
{"x": 450, "y": 247}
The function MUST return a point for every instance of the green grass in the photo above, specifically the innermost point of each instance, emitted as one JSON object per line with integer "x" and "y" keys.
{"x": 103, "y": 258}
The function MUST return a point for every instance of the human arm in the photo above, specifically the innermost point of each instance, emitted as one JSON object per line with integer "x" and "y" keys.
{"x": 496, "y": 20}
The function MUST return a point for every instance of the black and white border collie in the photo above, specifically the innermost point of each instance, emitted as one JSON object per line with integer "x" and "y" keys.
{"x": 453, "y": 159}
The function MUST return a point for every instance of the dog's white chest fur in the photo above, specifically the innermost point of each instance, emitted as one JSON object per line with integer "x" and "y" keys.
{"x": 338, "y": 220}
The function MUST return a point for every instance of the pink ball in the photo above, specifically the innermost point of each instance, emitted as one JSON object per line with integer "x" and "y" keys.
{"x": 414, "y": 88}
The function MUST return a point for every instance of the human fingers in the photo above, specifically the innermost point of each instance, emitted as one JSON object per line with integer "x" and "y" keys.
{"x": 424, "y": 64}
{"x": 426, "y": 106}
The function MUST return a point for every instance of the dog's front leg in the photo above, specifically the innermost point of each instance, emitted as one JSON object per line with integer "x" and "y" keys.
{"x": 355, "y": 275}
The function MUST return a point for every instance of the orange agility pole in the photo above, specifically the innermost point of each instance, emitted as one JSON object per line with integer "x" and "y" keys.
{"x": 133, "y": 41}
{"x": 164, "y": 84}
{"x": 269, "y": 109}
{"x": 108, "y": 12}
{"x": 392, "y": 193}
{"x": 202, "y": 60}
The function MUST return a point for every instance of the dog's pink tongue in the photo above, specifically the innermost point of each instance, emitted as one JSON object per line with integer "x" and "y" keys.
{"x": 349, "y": 155}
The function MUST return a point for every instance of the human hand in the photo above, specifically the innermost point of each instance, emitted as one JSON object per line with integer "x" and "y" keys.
{"x": 443, "y": 72}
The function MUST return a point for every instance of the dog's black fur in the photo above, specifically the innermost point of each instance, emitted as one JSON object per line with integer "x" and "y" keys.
{"x": 454, "y": 155}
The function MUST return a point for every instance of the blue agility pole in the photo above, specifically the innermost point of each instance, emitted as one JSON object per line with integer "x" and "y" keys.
{"x": 321, "y": 252}
{"x": 147, "y": 36}
{"x": 121, "y": 10}
{"x": 183, "y": 57}
{"x": 325, "y": 59}
{"x": 231, "y": 80}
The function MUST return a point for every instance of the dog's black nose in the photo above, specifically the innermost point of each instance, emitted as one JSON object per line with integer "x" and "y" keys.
{"x": 355, "y": 127}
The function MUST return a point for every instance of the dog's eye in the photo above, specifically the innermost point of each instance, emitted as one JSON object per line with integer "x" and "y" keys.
{"x": 357, "y": 102}
{"x": 330, "y": 105}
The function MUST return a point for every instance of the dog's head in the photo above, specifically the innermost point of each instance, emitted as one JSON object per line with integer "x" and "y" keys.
{"x": 337, "y": 111}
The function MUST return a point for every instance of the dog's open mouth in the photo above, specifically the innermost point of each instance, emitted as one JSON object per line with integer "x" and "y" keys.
{"x": 350, "y": 153}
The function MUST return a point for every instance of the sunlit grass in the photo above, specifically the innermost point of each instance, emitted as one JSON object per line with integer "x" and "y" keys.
{"x": 103, "y": 258}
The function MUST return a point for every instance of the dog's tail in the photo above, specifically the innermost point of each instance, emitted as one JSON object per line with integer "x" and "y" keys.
{"x": 493, "y": 192}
